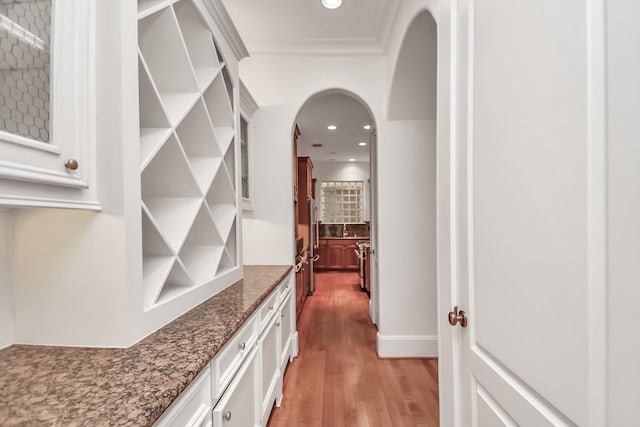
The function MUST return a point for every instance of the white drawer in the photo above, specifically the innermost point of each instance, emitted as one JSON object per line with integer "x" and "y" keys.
{"x": 193, "y": 407}
{"x": 286, "y": 286}
{"x": 239, "y": 404}
{"x": 226, "y": 363}
{"x": 269, "y": 307}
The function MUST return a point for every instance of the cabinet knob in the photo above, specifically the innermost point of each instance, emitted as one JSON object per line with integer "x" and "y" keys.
{"x": 71, "y": 164}
{"x": 242, "y": 346}
{"x": 278, "y": 324}
{"x": 271, "y": 307}
{"x": 282, "y": 315}
{"x": 227, "y": 416}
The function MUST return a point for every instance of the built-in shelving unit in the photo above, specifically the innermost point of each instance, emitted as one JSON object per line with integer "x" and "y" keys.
{"x": 187, "y": 152}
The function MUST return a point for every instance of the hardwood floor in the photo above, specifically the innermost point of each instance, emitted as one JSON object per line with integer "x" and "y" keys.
{"x": 338, "y": 379}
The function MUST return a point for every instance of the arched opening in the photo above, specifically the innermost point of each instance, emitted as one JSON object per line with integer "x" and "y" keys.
{"x": 334, "y": 136}
{"x": 407, "y": 193}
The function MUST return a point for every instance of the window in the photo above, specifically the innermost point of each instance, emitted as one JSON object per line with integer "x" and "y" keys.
{"x": 244, "y": 155}
{"x": 342, "y": 201}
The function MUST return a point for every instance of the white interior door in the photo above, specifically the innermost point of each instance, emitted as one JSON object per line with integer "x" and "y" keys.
{"x": 529, "y": 223}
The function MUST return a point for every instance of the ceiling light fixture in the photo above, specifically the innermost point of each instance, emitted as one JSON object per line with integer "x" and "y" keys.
{"x": 331, "y": 4}
{"x": 332, "y": 127}
{"x": 362, "y": 143}
{"x": 366, "y": 127}
{"x": 352, "y": 159}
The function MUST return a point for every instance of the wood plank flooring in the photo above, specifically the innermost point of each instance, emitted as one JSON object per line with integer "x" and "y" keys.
{"x": 338, "y": 379}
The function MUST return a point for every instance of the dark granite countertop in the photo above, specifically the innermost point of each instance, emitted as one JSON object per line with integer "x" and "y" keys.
{"x": 78, "y": 386}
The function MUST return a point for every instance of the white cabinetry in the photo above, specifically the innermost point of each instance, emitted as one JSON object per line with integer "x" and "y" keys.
{"x": 47, "y": 105}
{"x": 287, "y": 331}
{"x": 270, "y": 384}
{"x": 238, "y": 406}
{"x": 187, "y": 152}
{"x": 244, "y": 380}
{"x": 193, "y": 408}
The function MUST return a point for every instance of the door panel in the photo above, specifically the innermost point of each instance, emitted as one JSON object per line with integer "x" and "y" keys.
{"x": 490, "y": 413}
{"x": 527, "y": 192}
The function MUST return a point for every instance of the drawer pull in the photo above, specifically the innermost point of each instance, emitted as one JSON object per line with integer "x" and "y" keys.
{"x": 242, "y": 346}
{"x": 227, "y": 416}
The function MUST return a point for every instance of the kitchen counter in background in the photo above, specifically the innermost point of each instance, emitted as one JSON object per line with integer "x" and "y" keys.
{"x": 70, "y": 386}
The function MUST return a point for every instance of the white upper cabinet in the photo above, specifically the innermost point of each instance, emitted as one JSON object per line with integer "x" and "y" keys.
{"x": 47, "y": 104}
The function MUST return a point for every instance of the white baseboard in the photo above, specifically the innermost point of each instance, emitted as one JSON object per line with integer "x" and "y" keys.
{"x": 407, "y": 346}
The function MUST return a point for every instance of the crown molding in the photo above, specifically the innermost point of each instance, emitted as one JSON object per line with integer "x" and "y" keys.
{"x": 227, "y": 27}
{"x": 248, "y": 105}
{"x": 389, "y": 18}
{"x": 320, "y": 47}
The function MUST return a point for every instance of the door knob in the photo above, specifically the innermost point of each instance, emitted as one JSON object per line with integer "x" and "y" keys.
{"x": 456, "y": 317}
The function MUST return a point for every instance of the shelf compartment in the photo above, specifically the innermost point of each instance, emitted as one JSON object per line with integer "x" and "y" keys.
{"x": 218, "y": 104}
{"x": 168, "y": 173}
{"x": 157, "y": 260}
{"x": 199, "y": 42}
{"x": 203, "y": 248}
{"x": 154, "y": 125}
{"x": 222, "y": 203}
{"x": 199, "y": 143}
{"x": 225, "y": 137}
{"x": 231, "y": 247}
{"x": 230, "y": 163}
{"x": 148, "y": 7}
{"x": 174, "y": 217}
{"x": 151, "y": 139}
{"x": 177, "y": 284}
{"x": 165, "y": 56}
{"x": 226, "y": 264}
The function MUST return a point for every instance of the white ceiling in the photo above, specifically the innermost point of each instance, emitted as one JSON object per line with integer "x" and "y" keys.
{"x": 305, "y": 26}
{"x": 339, "y": 145}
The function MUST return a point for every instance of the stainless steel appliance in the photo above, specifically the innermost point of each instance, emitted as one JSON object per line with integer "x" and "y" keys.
{"x": 362, "y": 251}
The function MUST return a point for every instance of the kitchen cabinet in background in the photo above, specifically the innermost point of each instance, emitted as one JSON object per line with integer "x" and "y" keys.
{"x": 337, "y": 254}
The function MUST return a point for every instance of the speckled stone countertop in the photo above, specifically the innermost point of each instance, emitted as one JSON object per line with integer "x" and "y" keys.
{"x": 72, "y": 386}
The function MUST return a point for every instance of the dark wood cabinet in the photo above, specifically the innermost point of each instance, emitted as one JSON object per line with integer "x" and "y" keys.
{"x": 337, "y": 254}
{"x": 321, "y": 263}
{"x": 305, "y": 189}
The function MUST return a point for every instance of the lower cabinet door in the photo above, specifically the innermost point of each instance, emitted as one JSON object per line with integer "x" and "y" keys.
{"x": 286, "y": 331}
{"x": 271, "y": 387}
{"x": 238, "y": 406}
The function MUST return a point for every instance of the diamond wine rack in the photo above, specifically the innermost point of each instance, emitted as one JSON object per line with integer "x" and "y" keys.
{"x": 189, "y": 209}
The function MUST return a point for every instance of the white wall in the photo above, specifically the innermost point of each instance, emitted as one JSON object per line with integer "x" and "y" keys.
{"x": 268, "y": 229}
{"x": 344, "y": 171}
{"x": 7, "y": 322}
{"x": 407, "y": 239}
{"x": 624, "y": 210}
{"x": 406, "y": 153}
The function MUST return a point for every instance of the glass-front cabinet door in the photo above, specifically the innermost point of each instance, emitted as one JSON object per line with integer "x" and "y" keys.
{"x": 47, "y": 103}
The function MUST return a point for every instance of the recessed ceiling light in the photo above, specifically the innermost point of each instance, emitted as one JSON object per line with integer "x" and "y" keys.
{"x": 352, "y": 159}
{"x": 331, "y": 4}
{"x": 362, "y": 143}
{"x": 366, "y": 127}
{"x": 332, "y": 127}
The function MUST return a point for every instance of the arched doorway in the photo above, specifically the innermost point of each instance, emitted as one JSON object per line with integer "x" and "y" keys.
{"x": 334, "y": 138}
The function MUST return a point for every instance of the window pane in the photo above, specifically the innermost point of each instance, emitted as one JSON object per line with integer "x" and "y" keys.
{"x": 342, "y": 201}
